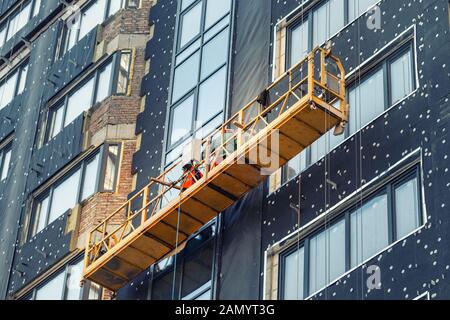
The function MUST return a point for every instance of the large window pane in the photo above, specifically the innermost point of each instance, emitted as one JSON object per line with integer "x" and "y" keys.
{"x": 23, "y": 79}
{"x": 56, "y": 122}
{"x": 216, "y": 9}
{"x": 19, "y": 20}
{"x": 8, "y": 90}
{"x": 211, "y": 97}
{"x": 90, "y": 177}
{"x": 92, "y": 17}
{"x": 295, "y": 166}
{"x": 65, "y": 196}
{"x": 190, "y": 25}
{"x": 299, "y": 43}
{"x": 293, "y": 283}
{"x": 357, "y": 7}
{"x": 186, "y": 76}
{"x": 79, "y": 101}
{"x": 407, "y": 210}
{"x": 52, "y": 290}
{"x": 327, "y": 20}
{"x": 40, "y": 215}
{"x": 215, "y": 53}
{"x": 124, "y": 73}
{"x": 401, "y": 77}
{"x": 182, "y": 120}
{"x": 326, "y": 256}
{"x": 104, "y": 83}
{"x": 324, "y": 145}
{"x": 369, "y": 229}
{"x": 367, "y": 101}
{"x": 6, "y": 164}
{"x": 73, "y": 291}
{"x": 112, "y": 163}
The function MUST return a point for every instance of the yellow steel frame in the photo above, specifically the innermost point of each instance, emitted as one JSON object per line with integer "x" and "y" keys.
{"x": 325, "y": 88}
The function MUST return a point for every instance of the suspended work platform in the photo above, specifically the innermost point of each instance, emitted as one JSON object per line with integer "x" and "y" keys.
{"x": 296, "y": 110}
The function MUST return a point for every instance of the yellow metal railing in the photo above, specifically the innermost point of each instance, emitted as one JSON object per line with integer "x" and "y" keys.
{"x": 319, "y": 75}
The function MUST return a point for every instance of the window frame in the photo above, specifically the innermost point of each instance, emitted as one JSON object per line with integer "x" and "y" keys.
{"x": 218, "y": 27}
{"x": 180, "y": 264}
{"x": 5, "y": 148}
{"x": 101, "y": 152}
{"x": 84, "y": 290}
{"x": 387, "y": 188}
{"x": 62, "y": 102}
{"x": 19, "y": 71}
{"x": 383, "y": 64}
{"x": 6, "y": 23}
{"x": 62, "y": 48}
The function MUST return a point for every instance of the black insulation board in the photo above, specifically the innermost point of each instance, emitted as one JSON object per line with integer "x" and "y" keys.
{"x": 151, "y": 123}
{"x": 415, "y": 265}
{"x": 23, "y": 117}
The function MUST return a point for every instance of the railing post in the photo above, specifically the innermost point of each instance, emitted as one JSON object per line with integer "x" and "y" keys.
{"x": 87, "y": 250}
{"x": 240, "y": 135}
{"x": 144, "y": 205}
{"x": 207, "y": 156}
{"x": 323, "y": 76}
{"x": 311, "y": 75}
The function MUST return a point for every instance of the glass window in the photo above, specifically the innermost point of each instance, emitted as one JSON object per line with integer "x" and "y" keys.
{"x": 186, "y": 76}
{"x": 112, "y": 166}
{"x": 299, "y": 43}
{"x": 52, "y": 290}
{"x": 182, "y": 120}
{"x": 3, "y": 34}
{"x": 357, "y": 7}
{"x": 367, "y": 101}
{"x": 324, "y": 145}
{"x": 327, "y": 20}
{"x": 295, "y": 166}
{"x": 91, "y": 17}
{"x": 216, "y": 10}
{"x": 294, "y": 275}
{"x": 124, "y": 73}
{"x": 401, "y": 77}
{"x": 104, "y": 83}
{"x": 19, "y": 20}
{"x": 8, "y": 90}
{"x": 90, "y": 177}
{"x": 369, "y": 229}
{"x": 5, "y": 162}
{"x": 215, "y": 53}
{"x": 186, "y": 3}
{"x": 327, "y": 256}
{"x": 74, "y": 276}
{"x": 407, "y": 207}
{"x": 66, "y": 286}
{"x": 79, "y": 101}
{"x": 190, "y": 24}
{"x": 56, "y": 122}
{"x": 65, "y": 196}
{"x": 211, "y": 97}
{"x": 37, "y": 7}
{"x": 114, "y": 7}
{"x": 40, "y": 218}
{"x": 23, "y": 79}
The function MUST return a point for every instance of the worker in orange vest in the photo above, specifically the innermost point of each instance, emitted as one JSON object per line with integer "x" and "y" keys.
{"x": 191, "y": 175}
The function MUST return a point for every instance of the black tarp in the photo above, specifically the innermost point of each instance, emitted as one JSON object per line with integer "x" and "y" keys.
{"x": 251, "y": 51}
{"x": 241, "y": 248}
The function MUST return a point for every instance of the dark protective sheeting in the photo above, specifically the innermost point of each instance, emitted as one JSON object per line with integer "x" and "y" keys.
{"x": 250, "y": 62}
{"x": 241, "y": 248}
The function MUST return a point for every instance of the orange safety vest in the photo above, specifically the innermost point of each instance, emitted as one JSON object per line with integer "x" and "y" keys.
{"x": 192, "y": 177}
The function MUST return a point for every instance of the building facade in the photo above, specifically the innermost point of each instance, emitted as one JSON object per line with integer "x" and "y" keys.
{"x": 98, "y": 97}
